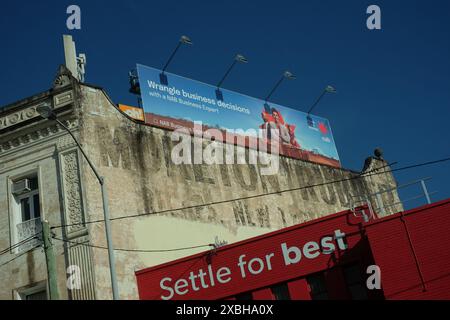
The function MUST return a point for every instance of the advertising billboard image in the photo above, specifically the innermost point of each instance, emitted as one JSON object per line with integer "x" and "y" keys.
{"x": 132, "y": 112}
{"x": 171, "y": 101}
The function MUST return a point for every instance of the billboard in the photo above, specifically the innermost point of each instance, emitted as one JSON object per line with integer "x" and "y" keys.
{"x": 171, "y": 101}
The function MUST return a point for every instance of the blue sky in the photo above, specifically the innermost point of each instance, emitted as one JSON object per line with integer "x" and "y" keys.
{"x": 393, "y": 84}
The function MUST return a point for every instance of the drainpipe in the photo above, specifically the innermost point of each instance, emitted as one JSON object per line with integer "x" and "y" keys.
{"x": 424, "y": 287}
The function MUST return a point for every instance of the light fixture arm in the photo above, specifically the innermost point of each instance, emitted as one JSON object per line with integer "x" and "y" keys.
{"x": 171, "y": 56}
{"x": 328, "y": 89}
{"x": 226, "y": 74}
{"x": 317, "y": 101}
{"x": 274, "y": 88}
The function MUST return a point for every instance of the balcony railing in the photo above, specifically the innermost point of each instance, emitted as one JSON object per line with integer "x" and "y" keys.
{"x": 26, "y": 231}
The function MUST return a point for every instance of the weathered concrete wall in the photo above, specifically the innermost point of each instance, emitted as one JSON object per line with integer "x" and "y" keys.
{"x": 142, "y": 179}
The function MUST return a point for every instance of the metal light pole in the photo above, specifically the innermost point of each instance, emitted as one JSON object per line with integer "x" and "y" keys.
{"x": 286, "y": 75}
{"x": 328, "y": 89}
{"x": 47, "y": 112}
{"x": 238, "y": 58}
{"x": 162, "y": 75}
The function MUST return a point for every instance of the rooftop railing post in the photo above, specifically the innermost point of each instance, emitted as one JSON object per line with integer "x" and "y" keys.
{"x": 425, "y": 191}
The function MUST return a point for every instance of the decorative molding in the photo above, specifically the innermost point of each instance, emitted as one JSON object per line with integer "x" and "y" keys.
{"x": 63, "y": 78}
{"x": 65, "y": 142}
{"x": 73, "y": 207}
{"x": 63, "y": 99}
{"x": 28, "y": 138}
{"x": 77, "y": 252}
{"x": 81, "y": 255}
{"x": 59, "y": 101}
{"x": 18, "y": 117}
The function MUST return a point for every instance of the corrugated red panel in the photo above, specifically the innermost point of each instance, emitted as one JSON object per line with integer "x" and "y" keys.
{"x": 405, "y": 246}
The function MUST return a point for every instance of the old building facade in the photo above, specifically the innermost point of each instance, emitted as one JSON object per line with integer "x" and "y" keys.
{"x": 155, "y": 204}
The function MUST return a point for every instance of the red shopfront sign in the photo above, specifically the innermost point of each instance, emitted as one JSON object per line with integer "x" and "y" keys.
{"x": 410, "y": 248}
{"x": 251, "y": 264}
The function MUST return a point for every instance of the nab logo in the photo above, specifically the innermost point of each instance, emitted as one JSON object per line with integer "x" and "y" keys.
{"x": 323, "y": 128}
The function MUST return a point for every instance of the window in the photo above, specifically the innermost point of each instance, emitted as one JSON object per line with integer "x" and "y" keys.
{"x": 355, "y": 283}
{"x": 281, "y": 292}
{"x": 39, "y": 295}
{"x": 35, "y": 292}
{"x": 26, "y": 212}
{"x": 318, "y": 287}
{"x": 27, "y": 195}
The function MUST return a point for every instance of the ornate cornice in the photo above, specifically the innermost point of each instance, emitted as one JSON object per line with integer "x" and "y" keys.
{"x": 63, "y": 78}
{"x": 29, "y": 113}
{"x": 27, "y": 138}
{"x": 18, "y": 117}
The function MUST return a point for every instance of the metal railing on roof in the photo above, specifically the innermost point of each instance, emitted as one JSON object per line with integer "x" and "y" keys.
{"x": 360, "y": 200}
